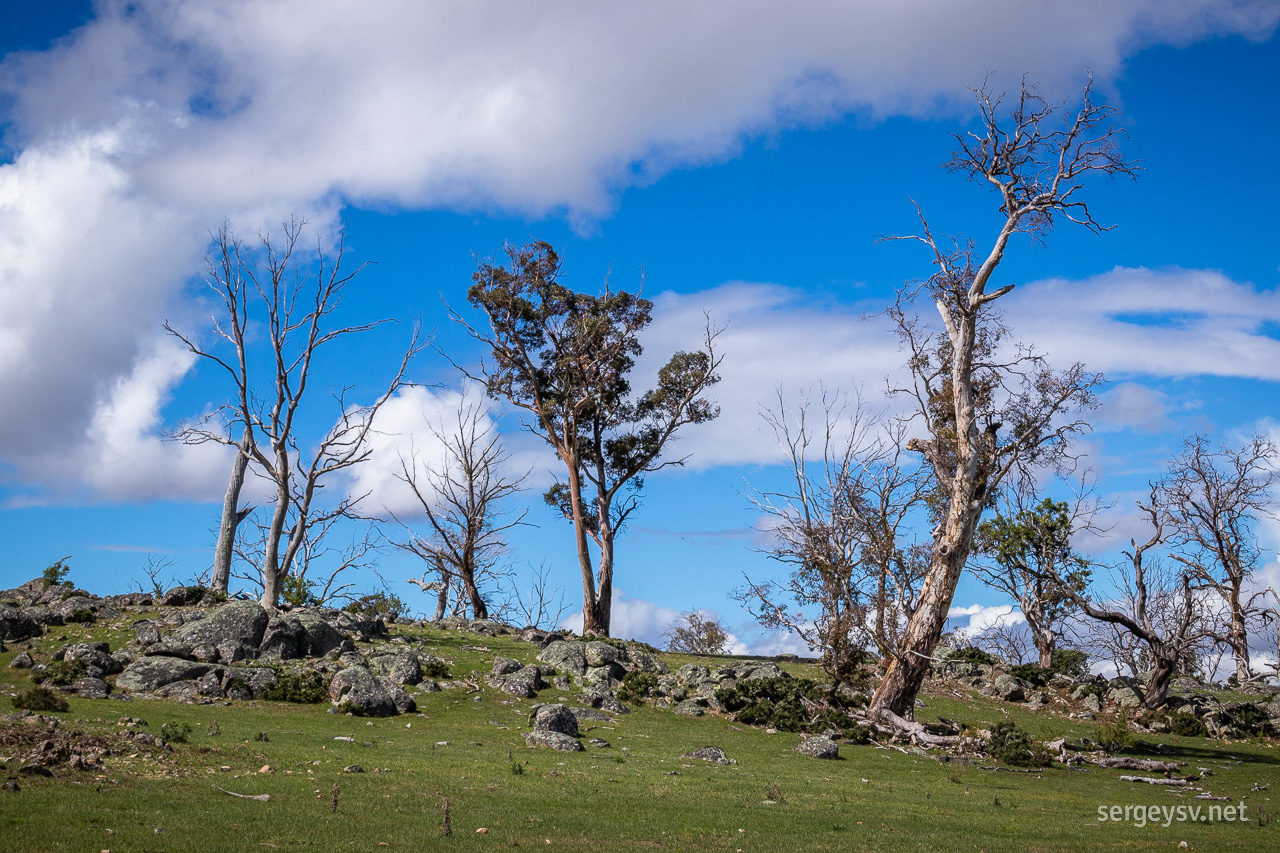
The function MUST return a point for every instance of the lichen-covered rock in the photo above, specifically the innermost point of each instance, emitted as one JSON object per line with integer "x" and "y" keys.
{"x": 554, "y": 718}
{"x": 22, "y": 661}
{"x": 357, "y": 690}
{"x": 1010, "y": 688}
{"x": 602, "y": 654}
{"x": 90, "y": 688}
{"x": 18, "y": 624}
{"x": 151, "y": 673}
{"x": 284, "y": 639}
{"x": 322, "y": 638}
{"x": 692, "y": 673}
{"x": 146, "y": 632}
{"x": 235, "y": 630}
{"x": 1125, "y": 697}
{"x": 553, "y": 740}
{"x": 506, "y": 666}
{"x": 819, "y": 747}
{"x": 402, "y": 667}
{"x": 93, "y": 654}
{"x": 524, "y": 682}
{"x": 643, "y": 660}
{"x": 566, "y": 656}
{"x": 713, "y": 754}
{"x": 688, "y": 708}
{"x": 255, "y": 680}
{"x": 591, "y": 715}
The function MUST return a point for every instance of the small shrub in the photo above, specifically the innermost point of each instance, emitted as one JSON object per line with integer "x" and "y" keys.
{"x": 1249, "y": 718}
{"x": 298, "y": 591}
{"x": 378, "y": 605}
{"x": 176, "y": 732}
{"x": 1016, "y": 747}
{"x": 82, "y": 615}
{"x": 56, "y": 574}
{"x": 1117, "y": 736}
{"x": 1070, "y": 662}
{"x": 1037, "y": 675}
{"x": 972, "y": 654}
{"x": 1186, "y": 725}
{"x": 261, "y": 737}
{"x": 776, "y": 702}
{"x": 517, "y": 769}
{"x": 435, "y": 668}
{"x": 637, "y": 686}
{"x": 40, "y": 699}
{"x": 61, "y": 672}
{"x": 773, "y": 791}
{"x": 305, "y": 688}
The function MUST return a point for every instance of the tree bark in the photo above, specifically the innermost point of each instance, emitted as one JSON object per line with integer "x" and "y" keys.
{"x": 1157, "y": 692}
{"x": 232, "y": 515}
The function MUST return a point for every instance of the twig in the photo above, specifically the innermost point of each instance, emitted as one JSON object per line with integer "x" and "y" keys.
{"x": 262, "y": 798}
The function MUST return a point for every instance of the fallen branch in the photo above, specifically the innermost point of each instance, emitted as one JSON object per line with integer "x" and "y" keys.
{"x": 262, "y": 798}
{"x": 898, "y": 725}
{"x": 1150, "y": 781}
{"x": 1125, "y": 763}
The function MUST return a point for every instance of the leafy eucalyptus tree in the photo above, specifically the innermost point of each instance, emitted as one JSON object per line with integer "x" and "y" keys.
{"x": 565, "y": 358}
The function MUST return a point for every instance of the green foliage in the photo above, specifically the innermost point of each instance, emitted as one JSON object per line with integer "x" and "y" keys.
{"x": 973, "y": 654}
{"x": 1016, "y": 747}
{"x": 517, "y": 769}
{"x": 176, "y": 732}
{"x": 303, "y": 687}
{"x": 698, "y": 634}
{"x": 637, "y": 686}
{"x": 82, "y": 615}
{"x": 61, "y": 672}
{"x": 378, "y": 605}
{"x": 1037, "y": 675}
{"x": 776, "y": 703}
{"x": 1115, "y": 737}
{"x": 261, "y": 737}
{"x": 1072, "y": 663}
{"x": 435, "y": 668}
{"x": 40, "y": 699}
{"x": 297, "y": 591}
{"x": 1249, "y": 718}
{"x": 1186, "y": 725}
{"x": 56, "y": 574}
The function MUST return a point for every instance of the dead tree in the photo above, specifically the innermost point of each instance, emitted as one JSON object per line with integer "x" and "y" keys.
{"x": 1215, "y": 500}
{"x": 840, "y": 527}
{"x": 989, "y": 414}
{"x": 458, "y": 496}
{"x": 565, "y": 358}
{"x": 295, "y": 307}
{"x": 1158, "y": 606}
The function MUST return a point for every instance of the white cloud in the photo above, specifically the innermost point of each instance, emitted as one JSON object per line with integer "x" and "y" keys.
{"x": 632, "y": 619}
{"x": 1130, "y": 405}
{"x": 1162, "y": 323}
{"x": 160, "y": 118}
{"x": 983, "y": 618}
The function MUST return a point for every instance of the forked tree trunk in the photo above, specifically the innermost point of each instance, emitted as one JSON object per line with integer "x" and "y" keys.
{"x": 232, "y": 515}
{"x": 1238, "y": 639}
{"x": 1157, "y": 692}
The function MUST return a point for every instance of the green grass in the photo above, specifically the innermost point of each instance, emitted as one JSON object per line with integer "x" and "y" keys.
{"x": 642, "y": 797}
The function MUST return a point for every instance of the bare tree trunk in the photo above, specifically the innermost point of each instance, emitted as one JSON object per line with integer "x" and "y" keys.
{"x": 1157, "y": 692}
{"x": 1045, "y": 647}
{"x": 907, "y": 670}
{"x": 1238, "y": 639}
{"x": 232, "y": 515}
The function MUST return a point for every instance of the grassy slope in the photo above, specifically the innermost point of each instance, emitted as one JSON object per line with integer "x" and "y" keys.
{"x": 645, "y": 796}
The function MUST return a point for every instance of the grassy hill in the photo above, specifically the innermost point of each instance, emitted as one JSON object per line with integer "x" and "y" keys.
{"x": 466, "y": 749}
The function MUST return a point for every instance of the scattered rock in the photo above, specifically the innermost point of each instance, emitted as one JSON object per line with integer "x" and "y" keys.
{"x": 151, "y": 673}
{"x": 713, "y": 754}
{"x": 819, "y": 747}
{"x": 553, "y": 740}
{"x": 554, "y": 718}
{"x": 358, "y": 691}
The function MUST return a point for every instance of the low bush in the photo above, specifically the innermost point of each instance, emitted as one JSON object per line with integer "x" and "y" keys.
{"x": 176, "y": 732}
{"x": 379, "y": 605}
{"x": 1249, "y": 718}
{"x": 40, "y": 699}
{"x": 305, "y": 688}
{"x": 972, "y": 654}
{"x": 435, "y": 668}
{"x": 637, "y": 686}
{"x": 1016, "y": 747}
{"x": 61, "y": 672}
{"x": 1187, "y": 725}
{"x": 1115, "y": 737}
{"x": 1030, "y": 672}
{"x": 779, "y": 703}
{"x": 82, "y": 615}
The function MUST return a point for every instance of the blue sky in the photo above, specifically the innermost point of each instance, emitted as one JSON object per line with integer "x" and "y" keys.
{"x": 746, "y": 157}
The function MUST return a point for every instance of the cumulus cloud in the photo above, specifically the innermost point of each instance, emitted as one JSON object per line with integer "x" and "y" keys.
{"x": 984, "y": 618}
{"x": 632, "y": 618}
{"x": 147, "y": 127}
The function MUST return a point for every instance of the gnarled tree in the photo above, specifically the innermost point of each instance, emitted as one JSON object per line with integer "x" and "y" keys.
{"x": 989, "y": 414}
{"x": 565, "y": 358}
{"x": 1029, "y": 558}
